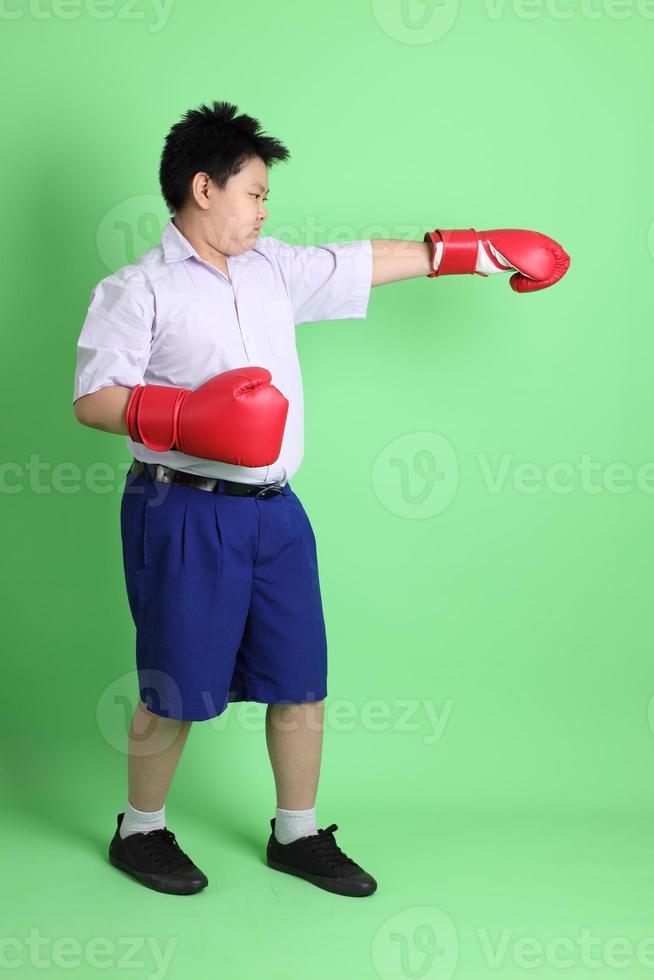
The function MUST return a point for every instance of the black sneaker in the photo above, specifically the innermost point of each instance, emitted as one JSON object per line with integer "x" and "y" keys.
{"x": 156, "y": 860}
{"x": 319, "y": 859}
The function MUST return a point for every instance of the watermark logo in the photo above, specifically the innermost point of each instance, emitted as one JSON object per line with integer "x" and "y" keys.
{"x": 418, "y": 943}
{"x": 416, "y": 475}
{"x": 415, "y": 21}
{"x": 129, "y": 229}
{"x": 117, "y": 704}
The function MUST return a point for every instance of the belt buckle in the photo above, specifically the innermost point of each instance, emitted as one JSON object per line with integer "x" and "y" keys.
{"x": 163, "y": 473}
{"x": 268, "y": 491}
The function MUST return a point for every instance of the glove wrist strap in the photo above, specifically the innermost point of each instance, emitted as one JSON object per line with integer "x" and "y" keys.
{"x": 153, "y": 413}
{"x": 459, "y": 251}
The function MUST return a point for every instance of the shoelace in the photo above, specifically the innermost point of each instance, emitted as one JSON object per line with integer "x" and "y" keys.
{"x": 329, "y": 851}
{"x": 164, "y": 850}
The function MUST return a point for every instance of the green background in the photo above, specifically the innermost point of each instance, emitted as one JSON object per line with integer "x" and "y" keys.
{"x": 517, "y": 614}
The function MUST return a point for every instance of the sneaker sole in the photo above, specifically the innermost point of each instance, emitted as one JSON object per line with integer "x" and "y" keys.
{"x": 339, "y": 887}
{"x": 150, "y": 881}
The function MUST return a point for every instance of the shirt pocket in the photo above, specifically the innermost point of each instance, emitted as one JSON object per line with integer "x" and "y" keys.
{"x": 278, "y": 314}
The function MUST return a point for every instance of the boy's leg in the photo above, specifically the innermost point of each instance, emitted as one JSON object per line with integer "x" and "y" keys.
{"x": 294, "y": 738}
{"x": 155, "y": 744}
{"x": 282, "y": 658}
{"x": 294, "y": 735}
{"x": 153, "y": 856}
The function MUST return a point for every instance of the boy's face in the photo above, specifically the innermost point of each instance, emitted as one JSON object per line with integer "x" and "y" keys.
{"x": 233, "y": 216}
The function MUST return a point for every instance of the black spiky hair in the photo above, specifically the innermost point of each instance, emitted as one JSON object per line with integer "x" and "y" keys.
{"x": 216, "y": 140}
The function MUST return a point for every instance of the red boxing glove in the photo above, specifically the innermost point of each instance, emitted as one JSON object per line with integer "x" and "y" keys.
{"x": 235, "y": 417}
{"x": 538, "y": 261}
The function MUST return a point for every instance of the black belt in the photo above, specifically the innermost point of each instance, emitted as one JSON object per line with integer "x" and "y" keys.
{"x": 166, "y": 474}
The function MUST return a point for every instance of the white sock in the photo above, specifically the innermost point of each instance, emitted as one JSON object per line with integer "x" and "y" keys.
{"x": 291, "y": 824}
{"x": 142, "y": 821}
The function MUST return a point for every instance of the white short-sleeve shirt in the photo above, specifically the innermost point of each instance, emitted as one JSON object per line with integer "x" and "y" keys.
{"x": 171, "y": 318}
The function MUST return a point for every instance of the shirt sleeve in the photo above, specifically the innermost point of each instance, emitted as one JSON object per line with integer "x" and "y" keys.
{"x": 325, "y": 282}
{"x": 115, "y": 341}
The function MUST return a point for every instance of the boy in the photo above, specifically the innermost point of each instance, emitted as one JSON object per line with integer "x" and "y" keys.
{"x": 190, "y": 353}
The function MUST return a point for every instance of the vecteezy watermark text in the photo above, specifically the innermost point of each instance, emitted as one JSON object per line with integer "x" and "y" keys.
{"x": 427, "y": 21}
{"x": 417, "y": 475}
{"x": 154, "y": 13}
{"x": 143, "y": 953}
{"x": 117, "y": 702}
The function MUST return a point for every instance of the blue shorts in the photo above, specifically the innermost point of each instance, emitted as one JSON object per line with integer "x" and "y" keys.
{"x": 225, "y": 597}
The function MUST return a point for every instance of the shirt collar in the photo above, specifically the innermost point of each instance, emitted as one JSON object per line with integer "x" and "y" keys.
{"x": 176, "y": 246}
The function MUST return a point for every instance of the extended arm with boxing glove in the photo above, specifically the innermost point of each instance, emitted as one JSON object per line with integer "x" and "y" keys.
{"x": 237, "y": 417}
{"x": 538, "y": 261}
